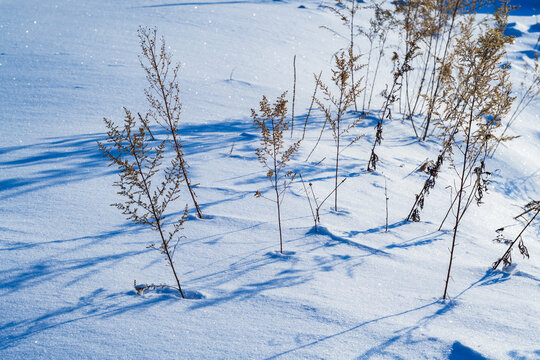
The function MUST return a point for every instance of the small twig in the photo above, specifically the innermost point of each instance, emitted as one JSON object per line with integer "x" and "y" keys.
{"x": 386, "y": 197}
{"x": 317, "y": 80}
{"x": 309, "y": 201}
{"x": 351, "y": 143}
{"x": 293, "y": 96}
{"x": 324, "y": 158}
{"x": 318, "y": 140}
{"x": 335, "y": 188}
{"x": 144, "y": 122}
{"x": 496, "y": 264}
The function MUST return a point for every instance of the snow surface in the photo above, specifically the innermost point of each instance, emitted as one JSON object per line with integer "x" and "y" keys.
{"x": 68, "y": 259}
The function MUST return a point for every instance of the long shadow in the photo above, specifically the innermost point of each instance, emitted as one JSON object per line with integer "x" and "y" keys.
{"x": 527, "y": 276}
{"x": 520, "y": 186}
{"x": 253, "y": 289}
{"x": 96, "y": 304}
{"x": 341, "y": 240}
{"x": 490, "y": 277}
{"x": 349, "y": 330}
{"x": 218, "y": 135}
{"x": 378, "y": 229}
{"x": 419, "y": 240}
{"x": 53, "y": 162}
{"x": 81, "y": 242}
{"x": 43, "y": 271}
{"x": 221, "y": 234}
{"x": 16, "y": 279}
{"x": 407, "y": 333}
{"x": 285, "y": 272}
{"x": 59, "y": 161}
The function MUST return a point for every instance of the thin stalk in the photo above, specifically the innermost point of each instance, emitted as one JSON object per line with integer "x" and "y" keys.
{"x": 156, "y": 217}
{"x": 460, "y": 194}
{"x": 327, "y": 196}
{"x": 353, "y": 12}
{"x": 146, "y": 126}
{"x": 309, "y": 201}
{"x": 279, "y": 219}
{"x": 177, "y": 143}
{"x": 469, "y": 200}
{"x": 421, "y": 86}
{"x": 496, "y": 264}
{"x": 381, "y": 52}
{"x": 338, "y": 121}
{"x": 293, "y": 96}
{"x": 437, "y": 86}
{"x": 386, "y": 198}
{"x": 318, "y": 140}
{"x": 276, "y": 188}
{"x": 184, "y": 173}
{"x": 372, "y": 159}
{"x": 367, "y": 74}
{"x": 422, "y": 80}
{"x": 311, "y": 105}
{"x": 337, "y": 166}
{"x": 522, "y": 104}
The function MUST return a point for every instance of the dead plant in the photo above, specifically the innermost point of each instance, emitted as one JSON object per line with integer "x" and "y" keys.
{"x": 273, "y": 154}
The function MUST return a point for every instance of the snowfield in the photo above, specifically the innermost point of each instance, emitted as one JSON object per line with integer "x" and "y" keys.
{"x": 349, "y": 291}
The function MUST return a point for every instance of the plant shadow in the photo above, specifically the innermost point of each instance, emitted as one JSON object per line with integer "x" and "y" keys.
{"x": 406, "y": 334}
{"x": 97, "y": 304}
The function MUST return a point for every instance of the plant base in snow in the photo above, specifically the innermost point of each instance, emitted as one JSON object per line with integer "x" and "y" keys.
{"x": 142, "y": 288}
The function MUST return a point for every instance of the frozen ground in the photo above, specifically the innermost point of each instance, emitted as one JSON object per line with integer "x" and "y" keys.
{"x": 68, "y": 259}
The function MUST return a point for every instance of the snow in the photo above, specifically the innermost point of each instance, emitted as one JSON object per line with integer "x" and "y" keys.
{"x": 350, "y": 290}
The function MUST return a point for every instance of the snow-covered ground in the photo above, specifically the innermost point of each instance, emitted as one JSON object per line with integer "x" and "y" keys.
{"x": 352, "y": 290}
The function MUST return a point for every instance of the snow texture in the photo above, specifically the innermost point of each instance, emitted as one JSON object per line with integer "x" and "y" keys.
{"x": 350, "y": 290}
